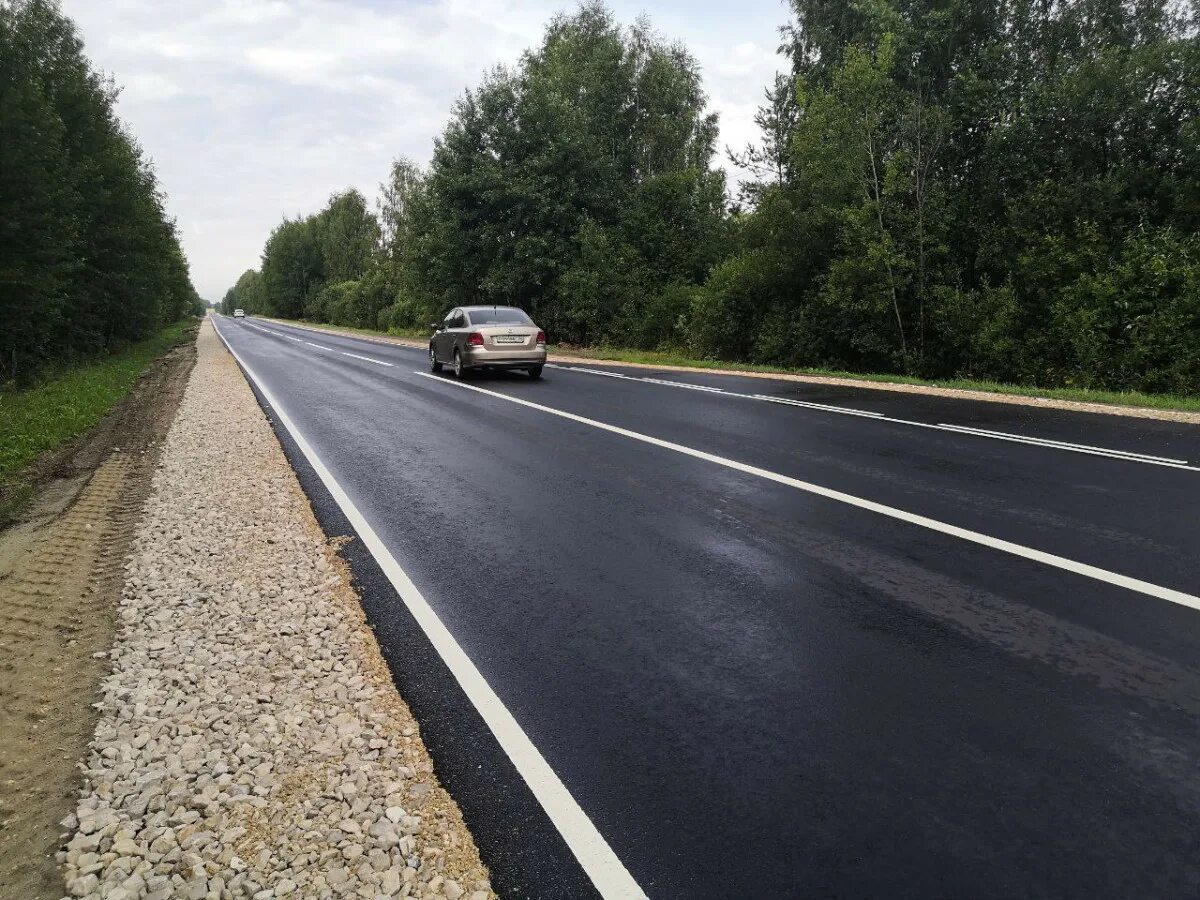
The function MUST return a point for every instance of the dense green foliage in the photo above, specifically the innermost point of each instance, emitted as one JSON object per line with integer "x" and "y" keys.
{"x": 89, "y": 260}
{"x": 963, "y": 188}
{"x": 944, "y": 188}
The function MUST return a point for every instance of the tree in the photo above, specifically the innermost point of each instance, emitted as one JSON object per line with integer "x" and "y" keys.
{"x": 293, "y": 268}
{"x": 597, "y": 147}
{"x": 400, "y": 197}
{"x": 348, "y": 235}
{"x": 89, "y": 260}
{"x": 946, "y": 178}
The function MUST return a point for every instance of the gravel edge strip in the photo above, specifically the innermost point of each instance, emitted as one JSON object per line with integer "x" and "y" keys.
{"x": 251, "y": 741}
{"x": 1108, "y": 409}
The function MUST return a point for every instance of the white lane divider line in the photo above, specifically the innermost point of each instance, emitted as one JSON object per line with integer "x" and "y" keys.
{"x": 1048, "y": 443}
{"x": 602, "y": 865}
{"x": 352, "y": 337}
{"x": 974, "y": 537}
{"x": 378, "y": 362}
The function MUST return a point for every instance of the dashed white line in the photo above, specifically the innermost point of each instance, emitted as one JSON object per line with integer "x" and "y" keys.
{"x": 378, "y": 362}
{"x": 975, "y": 537}
{"x": 598, "y": 860}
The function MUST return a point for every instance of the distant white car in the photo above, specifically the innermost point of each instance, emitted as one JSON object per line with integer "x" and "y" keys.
{"x": 239, "y": 314}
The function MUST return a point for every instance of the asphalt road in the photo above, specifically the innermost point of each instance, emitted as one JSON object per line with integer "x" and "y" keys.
{"x": 778, "y": 639}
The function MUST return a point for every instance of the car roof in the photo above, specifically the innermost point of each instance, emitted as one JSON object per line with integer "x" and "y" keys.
{"x": 489, "y": 306}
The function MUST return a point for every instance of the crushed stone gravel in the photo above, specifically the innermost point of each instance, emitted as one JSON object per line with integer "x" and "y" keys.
{"x": 251, "y": 741}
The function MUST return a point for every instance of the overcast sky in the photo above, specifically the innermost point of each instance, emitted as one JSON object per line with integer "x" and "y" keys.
{"x": 253, "y": 109}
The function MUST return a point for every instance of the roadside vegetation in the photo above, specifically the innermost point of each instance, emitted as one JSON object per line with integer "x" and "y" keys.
{"x": 65, "y": 404}
{"x": 1007, "y": 194}
{"x": 90, "y": 263}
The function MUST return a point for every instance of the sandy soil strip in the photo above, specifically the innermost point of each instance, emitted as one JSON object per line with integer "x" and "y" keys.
{"x": 252, "y": 743}
{"x": 1137, "y": 412}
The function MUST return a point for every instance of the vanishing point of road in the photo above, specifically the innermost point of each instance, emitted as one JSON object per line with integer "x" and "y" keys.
{"x": 699, "y": 636}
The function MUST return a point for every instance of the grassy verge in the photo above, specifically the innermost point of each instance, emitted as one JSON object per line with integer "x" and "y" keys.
{"x": 65, "y": 405}
{"x": 664, "y": 358}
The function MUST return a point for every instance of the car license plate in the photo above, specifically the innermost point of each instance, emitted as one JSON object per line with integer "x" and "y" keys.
{"x": 509, "y": 339}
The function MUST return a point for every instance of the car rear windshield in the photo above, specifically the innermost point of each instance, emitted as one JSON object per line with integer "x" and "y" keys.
{"x": 499, "y": 315}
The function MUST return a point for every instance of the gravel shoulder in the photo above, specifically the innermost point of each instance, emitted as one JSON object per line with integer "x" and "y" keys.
{"x": 251, "y": 741}
{"x": 1137, "y": 412}
{"x": 60, "y": 580}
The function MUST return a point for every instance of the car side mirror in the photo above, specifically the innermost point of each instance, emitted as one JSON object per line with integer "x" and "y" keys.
{"x": 436, "y": 326}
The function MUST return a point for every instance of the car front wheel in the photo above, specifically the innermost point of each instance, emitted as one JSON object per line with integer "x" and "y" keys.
{"x": 434, "y": 365}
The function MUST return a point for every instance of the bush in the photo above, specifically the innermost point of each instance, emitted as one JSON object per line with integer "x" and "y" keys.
{"x": 656, "y": 321}
{"x": 722, "y": 319}
{"x": 1136, "y": 323}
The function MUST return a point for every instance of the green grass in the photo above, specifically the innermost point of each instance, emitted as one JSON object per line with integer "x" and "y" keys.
{"x": 666, "y": 358}
{"x": 65, "y": 404}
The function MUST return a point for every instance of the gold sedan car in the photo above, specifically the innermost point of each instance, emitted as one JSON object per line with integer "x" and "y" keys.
{"x": 472, "y": 338}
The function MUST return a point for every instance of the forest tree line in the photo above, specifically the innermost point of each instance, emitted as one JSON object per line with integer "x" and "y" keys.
{"x": 89, "y": 259}
{"x": 944, "y": 188}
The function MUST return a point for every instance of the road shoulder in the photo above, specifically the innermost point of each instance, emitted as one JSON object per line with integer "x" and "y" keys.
{"x": 251, "y": 738}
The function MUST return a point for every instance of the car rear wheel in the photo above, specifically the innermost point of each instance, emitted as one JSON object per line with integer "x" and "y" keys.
{"x": 460, "y": 371}
{"x": 535, "y": 371}
{"x": 434, "y": 365}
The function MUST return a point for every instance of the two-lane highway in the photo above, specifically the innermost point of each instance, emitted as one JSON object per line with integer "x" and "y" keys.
{"x": 711, "y": 636}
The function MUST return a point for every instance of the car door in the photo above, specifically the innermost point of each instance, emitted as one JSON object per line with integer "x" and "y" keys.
{"x": 443, "y": 341}
{"x": 458, "y": 332}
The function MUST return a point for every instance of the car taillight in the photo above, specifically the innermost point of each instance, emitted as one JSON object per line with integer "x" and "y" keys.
{"x": 541, "y": 338}
{"x": 475, "y": 339}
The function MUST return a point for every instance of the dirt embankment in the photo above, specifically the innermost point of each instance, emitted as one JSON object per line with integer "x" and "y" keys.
{"x": 60, "y": 582}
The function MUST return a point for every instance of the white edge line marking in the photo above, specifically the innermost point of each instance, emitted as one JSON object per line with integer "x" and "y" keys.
{"x": 1044, "y": 442}
{"x": 844, "y": 410}
{"x": 606, "y": 871}
{"x": 975, "y": 537}
{"x": 1050, "y": 441}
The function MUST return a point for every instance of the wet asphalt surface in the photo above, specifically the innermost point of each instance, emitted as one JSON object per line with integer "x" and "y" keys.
{"x": 755, "y": 691}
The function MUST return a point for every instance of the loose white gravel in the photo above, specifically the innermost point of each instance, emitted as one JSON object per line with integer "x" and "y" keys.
{"x": 251, "y": 742}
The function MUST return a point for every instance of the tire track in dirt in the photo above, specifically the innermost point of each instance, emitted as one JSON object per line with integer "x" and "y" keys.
{"x": 61, "y": 574}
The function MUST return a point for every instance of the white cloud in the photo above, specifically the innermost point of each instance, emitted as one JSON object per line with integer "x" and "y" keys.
{"x": 253, "y": 109}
